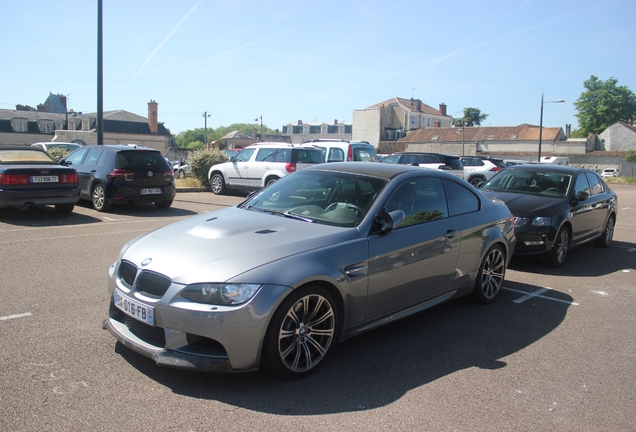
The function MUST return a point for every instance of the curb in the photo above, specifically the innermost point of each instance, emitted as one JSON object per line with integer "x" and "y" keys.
{"x": 192, "y": 189}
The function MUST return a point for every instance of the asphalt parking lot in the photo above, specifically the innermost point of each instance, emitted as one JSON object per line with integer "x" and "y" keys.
{"x": 556, "y": 352}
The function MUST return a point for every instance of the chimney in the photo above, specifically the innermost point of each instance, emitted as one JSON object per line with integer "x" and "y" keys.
{"x": 416, "y": 104}
{"x": 153, "y": 122}
{"x": 442, "y": 108}
{"x": 568, "y": 129}
{"x": 300, "y": 122}
{"x": 335, "y": 121}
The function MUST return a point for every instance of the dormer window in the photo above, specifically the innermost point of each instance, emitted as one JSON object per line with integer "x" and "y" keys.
{"x": 19, "y": 125}
{"x": 324, "y": 129}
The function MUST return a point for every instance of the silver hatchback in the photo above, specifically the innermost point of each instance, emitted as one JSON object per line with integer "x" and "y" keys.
{"x": 317, "y": 257}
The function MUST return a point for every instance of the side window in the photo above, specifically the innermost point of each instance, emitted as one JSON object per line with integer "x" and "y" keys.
{"x": 422, "y": 200}
{"x": 283, "y": 155}
{"x": 596, "y": 185}
{"x": 266, "y": 155}
{"x": 335, "y": 155}
{"x": 76, "y": 157}
{"x": 581, "y": 185}
{"x": 460, "y": 199}
{"x": 244, "y": 155}
{"x": 93, "y": 156}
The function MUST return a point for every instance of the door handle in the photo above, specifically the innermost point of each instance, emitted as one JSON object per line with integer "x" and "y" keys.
{"x": 450, "y": 234}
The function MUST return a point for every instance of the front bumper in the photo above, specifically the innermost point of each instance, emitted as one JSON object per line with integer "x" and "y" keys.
{"x": 534, "y": 240}
{"x": 190, "y": 335}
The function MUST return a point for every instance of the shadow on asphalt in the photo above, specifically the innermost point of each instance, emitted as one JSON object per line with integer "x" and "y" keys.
{"x": 43, "y": 216}
{"x": 586, "y": 260}
{"x": 379, "y": 367}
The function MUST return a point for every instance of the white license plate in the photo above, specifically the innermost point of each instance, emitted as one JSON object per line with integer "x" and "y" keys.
{"x": 133, "y": 308}
{"x": 152, "y": 191}
{"x": 44, "y": 179}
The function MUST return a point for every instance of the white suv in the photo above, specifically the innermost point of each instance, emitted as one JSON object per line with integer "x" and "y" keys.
{"x": 335, "y": 150}
{"x": 479, "y": 169}
{"x": 259, "y": 165}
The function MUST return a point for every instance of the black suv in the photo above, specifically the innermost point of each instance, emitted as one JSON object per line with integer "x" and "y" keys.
{"x": 125, "y": 173}
{"x": 449, "y": 163}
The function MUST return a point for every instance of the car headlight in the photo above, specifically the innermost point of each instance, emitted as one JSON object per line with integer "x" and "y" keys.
{"x": 541, "y": 221}
{"x": 220, "y": 293}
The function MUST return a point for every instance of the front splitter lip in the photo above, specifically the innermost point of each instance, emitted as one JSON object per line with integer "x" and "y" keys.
{"x": 171, "y": 358}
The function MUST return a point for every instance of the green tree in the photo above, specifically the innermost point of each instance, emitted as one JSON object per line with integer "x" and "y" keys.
{"x": 630, "y": 156}
{"x": 471, "y": 117}
{"x": 185, "y": 138}
{"x": 602, "y": 104}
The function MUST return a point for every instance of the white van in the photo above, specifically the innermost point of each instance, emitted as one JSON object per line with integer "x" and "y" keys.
{"x": 557, "y": 160}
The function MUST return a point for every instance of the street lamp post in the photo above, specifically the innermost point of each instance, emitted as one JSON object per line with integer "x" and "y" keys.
{"x": 256, "y": 120}
{"x": 205, "y": 130}
{"x": 541, "y": 122}
{"x": 463, "y": 143}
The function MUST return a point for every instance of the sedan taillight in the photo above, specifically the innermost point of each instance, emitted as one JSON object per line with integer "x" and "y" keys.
{"x": 69, "y": 178}
{"x": 14, "y": 179}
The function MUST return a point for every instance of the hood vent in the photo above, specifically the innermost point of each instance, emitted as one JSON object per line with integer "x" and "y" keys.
{"x": 269, "y": 231}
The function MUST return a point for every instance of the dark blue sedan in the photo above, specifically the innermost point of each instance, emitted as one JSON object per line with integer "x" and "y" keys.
{"x": 30, "y": 177}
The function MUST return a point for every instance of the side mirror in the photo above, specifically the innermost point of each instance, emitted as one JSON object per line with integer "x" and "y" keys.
{"x": 231, "y": 159}
{"x": 582, "y": 196}
{"x": 64, "y": 163}
{"x": 386, "y": 222}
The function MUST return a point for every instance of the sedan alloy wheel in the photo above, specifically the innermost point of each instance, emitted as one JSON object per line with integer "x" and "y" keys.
{"x": 491, "y": 275}
{"x": 301, "y": 334}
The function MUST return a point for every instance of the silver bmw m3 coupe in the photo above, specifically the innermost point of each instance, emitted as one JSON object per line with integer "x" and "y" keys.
{"x": 315, "y": 258}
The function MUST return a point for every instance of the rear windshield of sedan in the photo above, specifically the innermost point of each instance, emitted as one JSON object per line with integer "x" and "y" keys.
{"x": 141, "y": 158}
{"x": 24, "y": 156}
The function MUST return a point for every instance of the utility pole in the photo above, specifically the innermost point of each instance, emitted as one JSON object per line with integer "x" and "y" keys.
{"x": 256, "y": 120}
{"x": 205, "y": 130}
{"x": 100, "y": 77}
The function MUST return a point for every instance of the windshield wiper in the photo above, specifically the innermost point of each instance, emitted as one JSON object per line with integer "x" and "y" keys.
{"x": 287, "y": 214}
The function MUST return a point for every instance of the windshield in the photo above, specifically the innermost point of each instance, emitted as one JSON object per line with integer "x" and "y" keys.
{"x": 324, "y": 197}
{"x": 533, "y": 181}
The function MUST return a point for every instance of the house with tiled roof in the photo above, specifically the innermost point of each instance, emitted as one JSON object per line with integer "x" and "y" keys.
{"x": 523, "y": 138}
{"x": 27, "y": 125}
{"x": 392, "y": 119}
{"x": 307, "y": 131}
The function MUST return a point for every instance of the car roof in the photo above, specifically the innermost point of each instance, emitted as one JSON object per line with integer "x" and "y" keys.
{"x": 376, "y": 169}
{"x": 425, "y": 153}
{"x": 566, "y": 169}
{"x": 118, "y": 147}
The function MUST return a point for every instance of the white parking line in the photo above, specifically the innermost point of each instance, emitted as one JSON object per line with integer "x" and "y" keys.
{"x": 536, "y": 293}
{"x": 22, "y": 315}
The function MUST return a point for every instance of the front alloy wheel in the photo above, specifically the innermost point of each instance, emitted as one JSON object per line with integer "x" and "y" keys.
{"x": 491, "y": 275}
{"x": 556, "y": 257}
{"x": 301, "y": 333}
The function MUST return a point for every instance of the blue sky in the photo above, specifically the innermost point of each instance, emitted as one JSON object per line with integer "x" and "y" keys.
{"x": 315, "y": 60}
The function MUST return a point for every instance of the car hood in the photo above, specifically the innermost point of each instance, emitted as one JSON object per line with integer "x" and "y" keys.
{"x": 218, "y": 246}
{"x": 527, "y": 205}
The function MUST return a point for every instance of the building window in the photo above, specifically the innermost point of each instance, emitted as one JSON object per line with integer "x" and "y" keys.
{"x": 413, "y": 120}
{"x": 386, "y": 119}
{"x": 323, "y": 129}
{"x": 428, "y": 122}
{"x": 19, "y": 126}
{"x": 47, "y": 128}
{"x": 85, "y": 125}
{"x": 306, "y": 130}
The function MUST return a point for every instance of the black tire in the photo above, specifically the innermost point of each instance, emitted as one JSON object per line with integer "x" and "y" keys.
{"x": 301, "y": 334}
{"x": 556, "y": 257}
{"x": 217, "y": 184}
{"x": 182, "y": 174}
{"x": 608, "y": 234}
{"x": 64, "y": 208}
{"x": 475, "y": 181}
{"x": 490, "y": 278}
{"x": 99, "y": 198}
{"x": 163, "y": 204}
{"x": 271, "y": 181}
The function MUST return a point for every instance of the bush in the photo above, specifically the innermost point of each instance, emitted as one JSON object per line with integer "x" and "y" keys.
{"x": 58, "y": 153}
{"x": 201, "y": 161}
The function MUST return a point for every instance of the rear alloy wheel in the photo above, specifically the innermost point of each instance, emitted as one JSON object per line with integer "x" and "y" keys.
{"x": 491, "y": 275}
{"x": 163, "y": 204}
{"x": 608, "y": 234}
{"x": 217, "y": 184}
{"x": 301, "y": 334}
{"x": 64, "y": 208}
{"x": 182, "y": 174}
{"x": 556, "y": 257}
{"x": 100, "y": 198}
